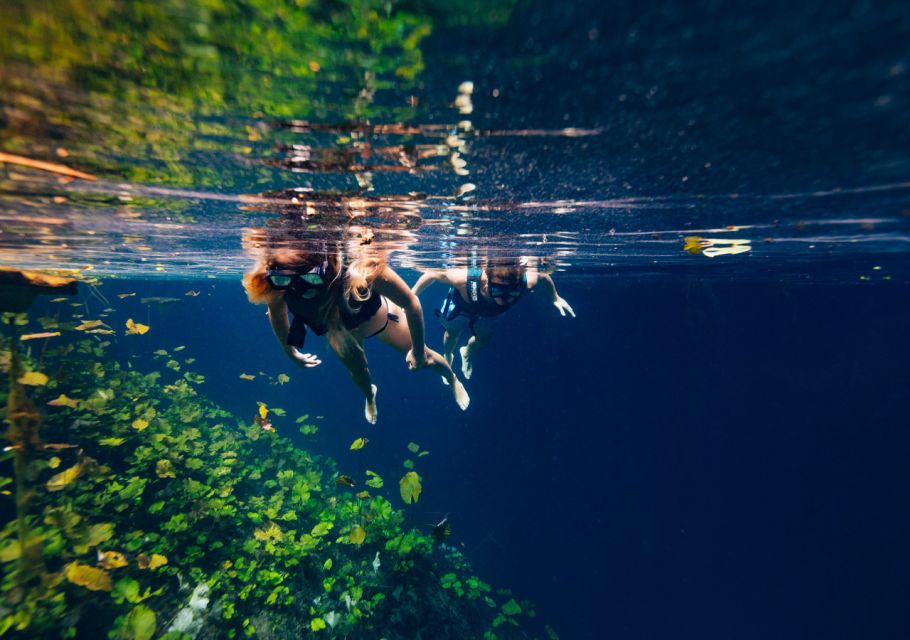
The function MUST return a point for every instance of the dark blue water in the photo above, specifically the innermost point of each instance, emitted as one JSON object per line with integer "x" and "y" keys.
{"x": 714, "y": 447}
{"x": 690, "y": 457}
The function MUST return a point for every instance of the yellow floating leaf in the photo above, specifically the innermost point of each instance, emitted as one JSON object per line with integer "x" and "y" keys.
{"x": 358, "y": 444}
{"x": 63, "y": 401}
{"x": 165, "y": 469}
{"x": 89, "y": 324}
{"x": 58, "y": 482}
{"x": 140, "y": 423}
{"x": 692, "y": 244}
{"x": 357, "y": 535}
{"x": 363, "y": 495}
{"x": 53, "y": 463}
{"x": 271, "y": 534}
{"x": 88, "y": 577}
{"x": 263, "y": 411}
{"x": 111, "y": 559}
{"x": 134, "y": 328}
{"x": 33, "y": 378}
{"x": 157, "y": 560}
{"x": 246, "y": 376}
{"x": 409, "y": 487}
{"x": 35, "y": 336}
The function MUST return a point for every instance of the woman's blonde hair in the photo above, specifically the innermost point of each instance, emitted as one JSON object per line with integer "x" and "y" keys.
{"x": 289, "y": 244}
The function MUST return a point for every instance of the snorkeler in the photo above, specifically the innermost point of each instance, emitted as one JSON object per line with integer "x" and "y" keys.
{"x": 346, "y": 300}
{"x": 478, "y": 294}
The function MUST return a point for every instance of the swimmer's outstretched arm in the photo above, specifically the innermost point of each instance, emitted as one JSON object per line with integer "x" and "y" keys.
{"x": 281, "y": 327}
{"x": 389, "y": 284}
{"x": 448, "y": 276}
{"x": 563, "y": 306}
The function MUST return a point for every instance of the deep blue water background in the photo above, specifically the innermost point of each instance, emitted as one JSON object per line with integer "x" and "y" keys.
{"x": 690, "y": 457}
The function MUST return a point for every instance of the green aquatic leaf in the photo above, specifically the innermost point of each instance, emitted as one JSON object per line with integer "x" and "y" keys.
{"x": 408, "y": 464}
{"x": 409, "y": 486}
{"x": 413, "y": 447}
{"x": 140, "y": 624}
{"x": 375, "y": 480}
{"x": 321, "y": 529}
{"x": 511, "y": 608}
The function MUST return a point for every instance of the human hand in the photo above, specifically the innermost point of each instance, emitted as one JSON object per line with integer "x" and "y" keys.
{"x": 563, "y": 307}
{"x": 415, "y": 363}
{"x": 305, "y": 360}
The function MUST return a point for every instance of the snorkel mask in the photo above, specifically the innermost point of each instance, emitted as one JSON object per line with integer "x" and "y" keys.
{"x": 306, "y": 284}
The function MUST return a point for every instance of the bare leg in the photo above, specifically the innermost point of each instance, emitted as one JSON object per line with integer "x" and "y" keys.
{"x": 441, "y": 366}
{"x": 479, "y": 340}
{"x": 450, "y": 341}
{"x": 356, "y": 363}
{"x": 397, "y": 335}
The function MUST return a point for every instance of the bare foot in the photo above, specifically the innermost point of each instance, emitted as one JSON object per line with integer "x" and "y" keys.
{"x": 460, "y": 393}
{"x": 466, "y": 369}
{"x": 370, "y": 411}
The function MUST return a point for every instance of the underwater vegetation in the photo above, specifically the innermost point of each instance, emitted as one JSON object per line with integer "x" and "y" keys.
{"x": 137, "y": 508}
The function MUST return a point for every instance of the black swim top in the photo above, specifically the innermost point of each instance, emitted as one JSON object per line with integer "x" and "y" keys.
{"x": 305, "y": 313}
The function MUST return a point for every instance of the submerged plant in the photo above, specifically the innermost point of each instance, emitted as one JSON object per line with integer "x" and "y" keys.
{"x": 166, "y": 516}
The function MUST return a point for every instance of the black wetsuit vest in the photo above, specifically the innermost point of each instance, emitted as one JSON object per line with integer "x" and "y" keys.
{"x": 478, "y": 306}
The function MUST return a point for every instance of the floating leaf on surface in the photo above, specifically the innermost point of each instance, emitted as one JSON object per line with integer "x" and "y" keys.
{"x": 413, "y": 447}
{"x": 88, "y": 577}
{"x": 263, "y": 411}
{"x": 53, "y": 463}
{"x": 358, "y": 444}
{"x": 111, "y": 442}
{"x": 423, "y": 453}
{"x": 283, "y": 378}
{"x": 247, "y": 376}
{"x": 89, "y": 324}
{"x": 321, "y": 529}
{"x": 134, "y": 328}
{"x": 33, "y": 379}
{"x": 327, "y": 564}
{"x": 409, "y": 487}
{"x": 317, "y": 623}
{"x": 140, "y": 423}
{"x": 408, "y": 464}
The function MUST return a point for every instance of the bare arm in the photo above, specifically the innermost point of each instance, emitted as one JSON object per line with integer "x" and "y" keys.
{"x": 547, "y": 283}
{"x": 428, "y": 278}
{"x": 281, "y": 327}
{"x": 389, "y": 284}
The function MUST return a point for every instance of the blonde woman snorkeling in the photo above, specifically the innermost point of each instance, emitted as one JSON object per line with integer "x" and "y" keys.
{"x": 478, "y": 294}
{"x": 348, "y": 296}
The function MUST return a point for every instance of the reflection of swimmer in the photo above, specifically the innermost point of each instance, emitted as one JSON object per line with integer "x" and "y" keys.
{"x": 480, "y": 293}
{"x": 348, "y": 298}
